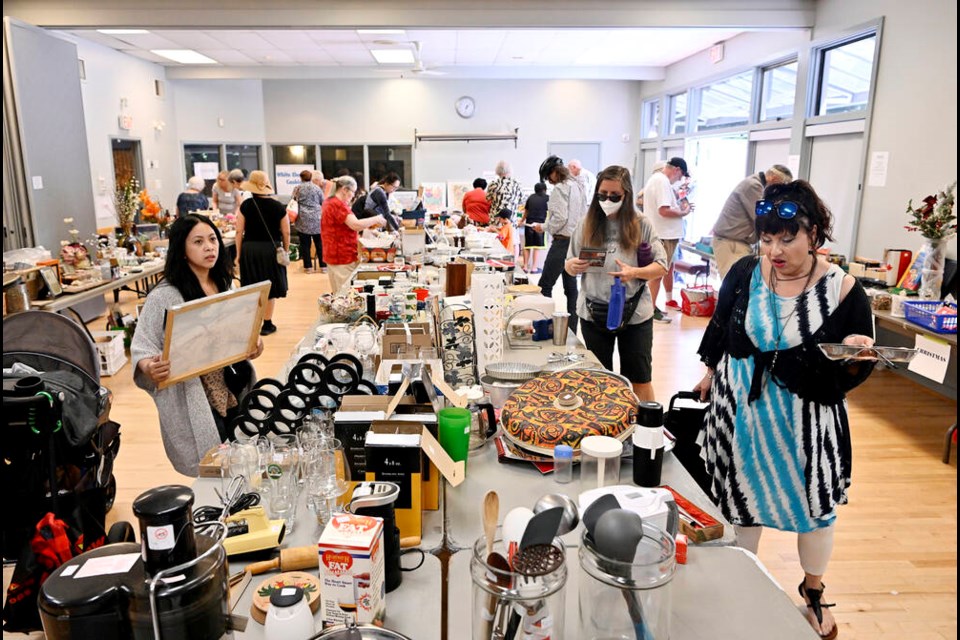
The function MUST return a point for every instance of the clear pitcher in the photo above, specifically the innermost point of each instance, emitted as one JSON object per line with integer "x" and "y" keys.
{"x": 627, "y": 600}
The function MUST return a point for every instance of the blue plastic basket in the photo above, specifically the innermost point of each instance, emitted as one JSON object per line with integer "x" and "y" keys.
{"x": 924, "y": 313}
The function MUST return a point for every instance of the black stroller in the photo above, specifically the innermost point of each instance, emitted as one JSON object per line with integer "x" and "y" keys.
{"x": 59, "y": 443}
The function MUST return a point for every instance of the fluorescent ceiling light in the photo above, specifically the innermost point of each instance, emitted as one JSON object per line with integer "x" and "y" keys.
{"x": 379, "y": 31}
{"x": 393, "y": 56}
{"x": 123, "y": 32}
{"x": 183, "y": 56}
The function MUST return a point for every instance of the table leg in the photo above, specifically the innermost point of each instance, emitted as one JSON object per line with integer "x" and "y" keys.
{"x": 948, "y": 443}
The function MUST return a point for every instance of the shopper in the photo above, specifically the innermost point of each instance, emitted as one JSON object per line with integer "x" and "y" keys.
{"x": 377, "y": 201}
{"x": 193, "y": 198}
{"x": 534, "y": 215}
{"x": 661, "y": 206}
{"x": 566, "y": 207}
{"x": 506, "y": 234}
{"x": 262, "y": 227}
{"x": 339, "y": 230}
{"x": 475, "y": 204}
{"x": 194, "y": 414}
{"x": 226, "y": 195}
{"x": 613, "y": 224}
{"x": 309, "y": 197}
{"x": 585, "y": 176}
{"x": 237, "y": 178}
{"x": 777, "y": 434}
{"x": 504, "y": 192}
{"x": 735, "y": 234}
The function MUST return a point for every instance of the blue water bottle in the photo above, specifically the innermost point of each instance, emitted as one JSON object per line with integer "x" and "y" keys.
{"x": 618, "y": 297}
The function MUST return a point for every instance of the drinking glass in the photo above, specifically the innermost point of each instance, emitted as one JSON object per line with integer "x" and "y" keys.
{"x": 283, "y": 468}
{"x": 341, "y": 340}
{"x": 328, "y": 477}
{"x": 241, "y": 459}
{"x": 365, "y": 342}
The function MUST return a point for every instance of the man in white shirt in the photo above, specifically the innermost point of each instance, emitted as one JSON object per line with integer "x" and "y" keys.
{"x": 585, "y": 176}
{"x": 661, "y": 206}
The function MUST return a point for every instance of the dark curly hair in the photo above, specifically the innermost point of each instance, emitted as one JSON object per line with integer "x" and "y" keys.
{"x": 813, "y": 214}
{"x": 177, "y": 270}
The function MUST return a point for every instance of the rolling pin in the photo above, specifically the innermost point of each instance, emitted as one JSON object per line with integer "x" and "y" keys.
{"x": 293, "y": 559}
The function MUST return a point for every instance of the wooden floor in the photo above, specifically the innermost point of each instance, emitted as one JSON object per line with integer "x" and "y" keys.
{"x": 894, "y": 568}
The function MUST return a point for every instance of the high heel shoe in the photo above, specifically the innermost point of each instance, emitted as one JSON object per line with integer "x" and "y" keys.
{"x": 814, "y": 596}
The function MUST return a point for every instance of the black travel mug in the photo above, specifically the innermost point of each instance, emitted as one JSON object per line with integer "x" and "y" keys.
{"x": 648, "y": 444}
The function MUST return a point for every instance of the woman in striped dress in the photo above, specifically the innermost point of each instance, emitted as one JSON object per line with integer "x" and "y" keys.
{"x": 777, "y": 444}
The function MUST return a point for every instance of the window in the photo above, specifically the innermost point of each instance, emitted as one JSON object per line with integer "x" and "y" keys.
{"x": 678, "y": 113}
{"x": 651, "y": 119}
{"x": 295, "y": 154}
{"x": 844, "y": 78}
{"x": 245, "y": 157}
{"x": 202, "y": 160}
{"x": 336, "y": 158}
{"x": 386, "y": 158}
{"x": 778, "y": 87}
{"x": 726, "y": 103}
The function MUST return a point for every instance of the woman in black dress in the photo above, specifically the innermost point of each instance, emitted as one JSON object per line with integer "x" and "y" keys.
{"x": 262, "y": 226}
{"x": 534, "y": 215}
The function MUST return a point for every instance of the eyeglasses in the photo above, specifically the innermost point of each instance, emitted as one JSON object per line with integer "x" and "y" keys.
{"x": 786, "y": 209}
{"x": 612, "y": 197}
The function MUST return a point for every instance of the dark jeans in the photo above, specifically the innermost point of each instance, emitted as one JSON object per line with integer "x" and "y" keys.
{"x": 553, "y": 269}
{"x": 305, "y": 250}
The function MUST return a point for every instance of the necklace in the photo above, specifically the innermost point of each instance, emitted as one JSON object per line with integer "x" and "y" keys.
{"x": 775, "y": 308}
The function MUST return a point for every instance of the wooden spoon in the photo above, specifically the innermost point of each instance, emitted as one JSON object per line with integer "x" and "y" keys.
{"x": 491, "y": 516}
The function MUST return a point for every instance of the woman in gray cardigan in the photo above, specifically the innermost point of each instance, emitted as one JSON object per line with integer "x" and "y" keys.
{"x": 194, "y": 414}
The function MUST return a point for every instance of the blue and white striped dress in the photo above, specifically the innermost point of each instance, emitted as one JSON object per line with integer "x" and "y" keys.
{"x": 775, "y": 461}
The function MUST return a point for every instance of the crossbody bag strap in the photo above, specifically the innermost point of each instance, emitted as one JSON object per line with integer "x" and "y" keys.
{"x": 264, "y": 221}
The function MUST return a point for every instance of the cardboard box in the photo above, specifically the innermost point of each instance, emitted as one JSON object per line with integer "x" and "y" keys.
{"x": 352, "y": 570}
{"x": 353, "y": 420}
{"x": 394, "y": 455}
{"x": 395, "y": 335}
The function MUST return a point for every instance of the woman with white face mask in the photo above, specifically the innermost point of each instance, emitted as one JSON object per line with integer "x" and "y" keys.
{"x": 613, "y": 229}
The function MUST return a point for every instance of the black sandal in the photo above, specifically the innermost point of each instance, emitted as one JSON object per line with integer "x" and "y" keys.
{"x": 814, "y": 596}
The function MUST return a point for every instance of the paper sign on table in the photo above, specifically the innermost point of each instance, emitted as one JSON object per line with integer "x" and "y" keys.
{"x": 932, "y": 359}
{"x": 107, "y": 565}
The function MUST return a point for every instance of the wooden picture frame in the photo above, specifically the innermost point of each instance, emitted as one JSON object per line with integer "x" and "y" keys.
{"x": 52, "y": 280}
{"x": 210, "y": 333}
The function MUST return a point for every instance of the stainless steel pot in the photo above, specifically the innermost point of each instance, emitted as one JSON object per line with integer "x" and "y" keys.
{"x": 359, "y": 632}
{"x": 499, "y": 390}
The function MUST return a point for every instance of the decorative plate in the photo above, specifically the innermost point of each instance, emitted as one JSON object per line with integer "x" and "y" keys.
{"x": 565, "y": 407}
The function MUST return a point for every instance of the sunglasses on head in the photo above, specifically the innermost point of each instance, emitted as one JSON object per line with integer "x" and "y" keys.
{"x": 786, "y": 209}
{"x": 612, "y": 197}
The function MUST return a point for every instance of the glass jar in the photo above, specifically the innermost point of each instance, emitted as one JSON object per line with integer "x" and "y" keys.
{"x": 599, "y": 462}
{"x": 504, "y": 599}
{"x": 627, "y": 599}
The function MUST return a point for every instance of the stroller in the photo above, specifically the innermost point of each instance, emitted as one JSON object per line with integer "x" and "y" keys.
{"x": 59, "y": 443}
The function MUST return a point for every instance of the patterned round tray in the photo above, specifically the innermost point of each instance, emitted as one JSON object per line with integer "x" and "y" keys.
{"x": 565, "y": 407}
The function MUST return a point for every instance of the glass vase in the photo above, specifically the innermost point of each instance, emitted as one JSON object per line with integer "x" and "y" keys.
{"x": 933, "y": 254}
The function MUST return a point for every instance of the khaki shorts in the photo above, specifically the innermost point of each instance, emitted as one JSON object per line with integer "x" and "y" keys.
{"x": 670, "y": 246}
{"x": 726, "y": 252}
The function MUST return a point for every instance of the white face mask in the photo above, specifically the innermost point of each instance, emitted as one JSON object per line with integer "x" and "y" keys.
{"x": 609, "y": 207}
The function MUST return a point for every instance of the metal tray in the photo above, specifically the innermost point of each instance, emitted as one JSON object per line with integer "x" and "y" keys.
{"x": 512, "y": 371}
{"x": 836, "y": 351}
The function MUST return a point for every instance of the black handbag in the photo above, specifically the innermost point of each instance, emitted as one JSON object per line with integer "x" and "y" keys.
{"x": 598, "y": 311}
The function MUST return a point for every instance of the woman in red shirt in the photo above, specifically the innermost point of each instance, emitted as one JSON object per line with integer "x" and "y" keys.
{"x": 338, "y": 229}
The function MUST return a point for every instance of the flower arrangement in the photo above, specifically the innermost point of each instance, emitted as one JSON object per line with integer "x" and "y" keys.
{"x": 934, "y": 219}
{"x": 126, "y": 201}
{"x": 153, "y": 212}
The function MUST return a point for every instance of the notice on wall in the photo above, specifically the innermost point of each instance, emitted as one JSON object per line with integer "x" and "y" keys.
{"x": 206, "y": 170}
{"x": 288, "y": 176}
{"x": 932, "y": 359}
{"x": 879, "y": 161}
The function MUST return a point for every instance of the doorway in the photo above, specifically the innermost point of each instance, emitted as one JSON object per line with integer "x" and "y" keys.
{"x": 126, "y": 161}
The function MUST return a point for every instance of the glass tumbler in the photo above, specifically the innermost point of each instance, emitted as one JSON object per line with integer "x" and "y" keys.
{"x": 507, "y": 603}
{"x": 283, "y": 470}
{"x": 627, "y": 599}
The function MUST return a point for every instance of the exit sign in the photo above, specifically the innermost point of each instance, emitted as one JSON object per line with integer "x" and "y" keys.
{"x": 716, "y": 53}
{"x": 125, "y": 122}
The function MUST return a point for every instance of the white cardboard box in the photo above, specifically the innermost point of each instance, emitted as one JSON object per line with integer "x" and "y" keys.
{"x": 352, "y": 570}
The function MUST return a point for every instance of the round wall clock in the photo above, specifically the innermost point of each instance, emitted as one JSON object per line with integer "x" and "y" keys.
{"x": 466, "y": 107}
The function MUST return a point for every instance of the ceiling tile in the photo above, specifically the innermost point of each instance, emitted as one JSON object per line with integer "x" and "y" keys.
{"x": 351, "y": 55}
{"x": 190, "y": 39}
{"x": 228, "y": 56}
{"x": 152, "y": 57}
{"x": 288, "y": 39}
{"x": 316, "y": 55}
{"x": 269, "y": 56}
{"x": 434, "y": 38}
{"x": 149, "y": 41}
{"x": 100, "y": 38}
{"x": 480, "y": 38}
{"x": 475, "y": 56}
{"x": 240, "y": 39}
{"x": 333, "y": 36}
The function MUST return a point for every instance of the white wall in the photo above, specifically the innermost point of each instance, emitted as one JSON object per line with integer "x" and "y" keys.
{"x": 387, "y": 112}
{"x": 915, "y": 108}
{"x": 111, "y": 76}
{"x": 742, "y": 52}
{"x": 200, "y": 105}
